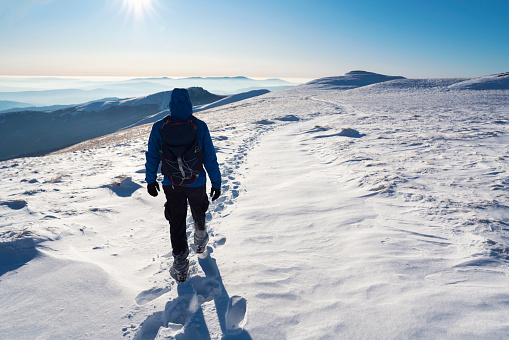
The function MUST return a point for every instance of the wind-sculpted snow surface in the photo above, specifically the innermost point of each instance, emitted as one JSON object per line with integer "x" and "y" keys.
{"x": 375, "y": 213}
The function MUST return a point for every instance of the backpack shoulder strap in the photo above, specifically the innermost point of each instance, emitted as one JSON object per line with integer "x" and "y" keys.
{"x": 170, "y": 120}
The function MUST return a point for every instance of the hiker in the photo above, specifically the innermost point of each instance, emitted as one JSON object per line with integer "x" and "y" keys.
{"x": 181, "y": 143}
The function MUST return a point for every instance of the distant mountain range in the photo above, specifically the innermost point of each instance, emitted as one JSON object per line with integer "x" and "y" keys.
{"x": 59, "y": 91}
{"x": 8, "y": 104}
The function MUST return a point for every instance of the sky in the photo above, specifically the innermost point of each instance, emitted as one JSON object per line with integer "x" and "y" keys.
{"x": 263, "y": 38}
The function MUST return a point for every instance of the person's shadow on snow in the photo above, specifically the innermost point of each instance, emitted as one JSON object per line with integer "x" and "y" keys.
{"x": 183, "y": 317}
{"x": 223, "y": 301}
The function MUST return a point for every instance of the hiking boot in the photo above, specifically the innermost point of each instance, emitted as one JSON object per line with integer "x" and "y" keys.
{"x": 201, "y": 249}
{"x": 180, "y": 276}
{"x": 180, "y": 267}
{"x": 201, "y": 238}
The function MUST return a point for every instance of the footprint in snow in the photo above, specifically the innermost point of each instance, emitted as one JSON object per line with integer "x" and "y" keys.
{"x": 183, "y": 317}
{"x": 220, "y": 242}
{"x": 236, "y": 315}
{"x": 151, "y": 294}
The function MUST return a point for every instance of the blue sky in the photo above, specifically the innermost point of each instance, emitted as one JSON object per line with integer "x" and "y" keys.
{"x": 283, "y": 39}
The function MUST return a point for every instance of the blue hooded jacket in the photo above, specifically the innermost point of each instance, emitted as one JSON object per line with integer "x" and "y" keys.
{"x": 181, "y": 108}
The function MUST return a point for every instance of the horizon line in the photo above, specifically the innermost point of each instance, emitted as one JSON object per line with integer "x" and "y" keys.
{"x": 104, "y": 77}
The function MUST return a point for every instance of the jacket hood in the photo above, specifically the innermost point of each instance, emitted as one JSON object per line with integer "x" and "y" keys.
{"x": 180, "y": 104}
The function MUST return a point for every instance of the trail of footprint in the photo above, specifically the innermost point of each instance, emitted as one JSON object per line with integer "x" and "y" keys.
{"x": 185, "y": 310}
{"x": 182, "y": 311}
{"x": 230, "y": 168}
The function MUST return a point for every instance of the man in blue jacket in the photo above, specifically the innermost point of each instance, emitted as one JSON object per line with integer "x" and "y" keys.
{"x": 179, "y": 195}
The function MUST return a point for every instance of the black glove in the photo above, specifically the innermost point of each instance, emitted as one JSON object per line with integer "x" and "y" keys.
{"x": 215, "y": 193}
{"x": 153, "y": 188}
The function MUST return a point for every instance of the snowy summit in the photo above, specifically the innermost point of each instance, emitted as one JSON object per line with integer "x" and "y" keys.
{"x": 350, "y": 80}
{"x": 356, "y": 207}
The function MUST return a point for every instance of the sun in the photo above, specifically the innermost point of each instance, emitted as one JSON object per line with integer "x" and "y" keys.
{"x": 139, "y": 8}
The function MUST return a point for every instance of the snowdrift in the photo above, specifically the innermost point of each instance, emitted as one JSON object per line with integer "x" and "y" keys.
{"x": 15, "y": 251}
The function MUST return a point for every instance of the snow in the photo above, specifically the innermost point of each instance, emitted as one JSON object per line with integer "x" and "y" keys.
{"x": 350, "y": 80}
{"x": 493, "y": 82}
{"x": 379, "y": 212}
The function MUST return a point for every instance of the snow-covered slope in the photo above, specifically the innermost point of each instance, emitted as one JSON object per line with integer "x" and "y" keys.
{"x": 492, "y": 82}
{"x": 367, "y": 213}
{"x": 35, "y": 132}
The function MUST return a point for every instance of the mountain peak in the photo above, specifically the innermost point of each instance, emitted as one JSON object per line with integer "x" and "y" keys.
{"x": 360, "y": 73}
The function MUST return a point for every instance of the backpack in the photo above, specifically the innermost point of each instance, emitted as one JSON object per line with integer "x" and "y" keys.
{"x": 182, "y": 157}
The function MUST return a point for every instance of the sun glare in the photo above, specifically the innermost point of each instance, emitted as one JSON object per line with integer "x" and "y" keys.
{"x": 139, "y": 8}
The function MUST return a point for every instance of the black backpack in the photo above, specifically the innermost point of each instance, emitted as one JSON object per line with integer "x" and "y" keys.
{"x": 182, "y": 157}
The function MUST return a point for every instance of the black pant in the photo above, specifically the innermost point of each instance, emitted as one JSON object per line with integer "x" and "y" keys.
{"x": 175, "y": 211}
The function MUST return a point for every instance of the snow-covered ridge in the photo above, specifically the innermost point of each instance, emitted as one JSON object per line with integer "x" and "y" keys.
{"x": 234, "y": 98}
